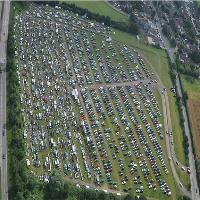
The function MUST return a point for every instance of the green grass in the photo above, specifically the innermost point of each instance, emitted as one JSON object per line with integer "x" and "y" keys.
{"x": 184, "y": 177}
{"x": 198, "y": 2}
{"x": 157, "y": 59}
{"x": 177, "y": 131}
{"x": 192, "y": 88}
{"x": 101, "y": 7}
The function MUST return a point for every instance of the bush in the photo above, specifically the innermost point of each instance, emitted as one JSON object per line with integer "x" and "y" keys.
{"x": 195, "y": 57}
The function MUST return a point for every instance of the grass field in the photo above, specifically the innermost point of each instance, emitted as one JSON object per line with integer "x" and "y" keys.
{"x": 192, "y": 88}
{"x": 193, "y": 91}
{"x": 157, "y": 59}
{"x": 184, "y": 177}
{"x": 103, "y": 8}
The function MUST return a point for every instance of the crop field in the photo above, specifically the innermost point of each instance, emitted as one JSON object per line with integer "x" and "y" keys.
{"x": 91, "y": 106}
{"x": 193, "y": 91}
{"x": 194, "y": 109}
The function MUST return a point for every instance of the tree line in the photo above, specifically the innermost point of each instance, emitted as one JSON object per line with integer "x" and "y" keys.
{"x": 173, "y": 75}
{"x": 130, "y": 26}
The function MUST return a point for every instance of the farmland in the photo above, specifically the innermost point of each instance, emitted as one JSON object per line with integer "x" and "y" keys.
{"x": 193, "y": 103}
{"x": 90, "y": 105}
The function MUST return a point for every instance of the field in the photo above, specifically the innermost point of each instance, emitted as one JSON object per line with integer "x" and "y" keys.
{"x": 194, "y": 110}
{"x": 157, "y": 60}
{"x": 89, "y": 107}
{"x": 193, "y": 91}
{"x": 103, "y": 8}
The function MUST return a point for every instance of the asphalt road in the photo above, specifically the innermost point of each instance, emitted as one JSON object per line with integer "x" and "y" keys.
{"x": 3, "y": 138}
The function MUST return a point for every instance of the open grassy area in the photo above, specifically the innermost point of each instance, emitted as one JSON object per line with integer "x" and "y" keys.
{"x": 184, "y": 177}
{"x": 192, "y": 88}
{"x": 103, "y": 8}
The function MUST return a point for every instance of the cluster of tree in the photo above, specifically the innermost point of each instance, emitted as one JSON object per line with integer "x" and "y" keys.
{"x": 173, "y": 74}
{"x": 130, "y": 26}
{"x": 186, "y": 69}
{"x": 189, "y": 29}
{"x": 57, "y": 188}
{"x": 20, "y": 6}
{"x": 195, "y": 57}
{"x": 198, "y": 7}
{"x": 137, "y": 5}
{"x": 165, "y": 9}
{"x": 172, "y": 69}
{"x": 183, "y": 198}
{"x": 185, "y": 144}
{"x": 166, "y": 31}
{"x": 177, "y": 4}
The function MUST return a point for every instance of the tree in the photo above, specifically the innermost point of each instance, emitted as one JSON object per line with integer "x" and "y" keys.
{"x": 55, "y": 187}
{"x": 190, "y": 79}
{"x": 129, "y": 197}
{"x": 102, "y": 195}
{"x": 195, "y": 56}
{"x": 71, "y": 198}
{"x": 142, "y": 198}
{"x": 165, "y": 31}
{"x": 132, "y": 27}
{"x": 19, "y": 196}
{"x": 87, "y": 194}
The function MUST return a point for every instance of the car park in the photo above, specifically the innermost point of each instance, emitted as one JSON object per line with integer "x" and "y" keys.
{"x": 88, "y": 104}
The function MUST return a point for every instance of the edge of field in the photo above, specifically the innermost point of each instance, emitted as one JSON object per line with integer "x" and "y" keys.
{"x": 157, "y": 59}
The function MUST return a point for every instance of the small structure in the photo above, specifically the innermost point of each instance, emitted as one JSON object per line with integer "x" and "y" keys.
{"x": 150, "y": 40}
{"x": 108, "y": 39}
{"x": 75, "y": 93}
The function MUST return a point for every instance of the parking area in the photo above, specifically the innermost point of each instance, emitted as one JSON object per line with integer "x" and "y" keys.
{"x": 89, "y": 104}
